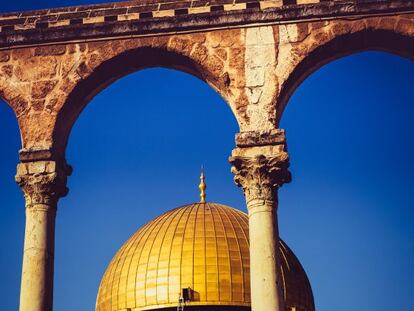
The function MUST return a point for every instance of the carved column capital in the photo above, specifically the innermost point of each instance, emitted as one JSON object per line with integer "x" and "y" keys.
{"x": 260, "y": 170}
{"x": 43, "y": 182}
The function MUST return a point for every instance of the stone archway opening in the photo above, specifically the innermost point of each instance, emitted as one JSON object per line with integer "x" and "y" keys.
{"x": 12, "y": 228}
{"x": 340, "y": 46}
{"x": 115, "y": 68}
{"x": 349, "y": 128}
{"x": 117, "y": 175}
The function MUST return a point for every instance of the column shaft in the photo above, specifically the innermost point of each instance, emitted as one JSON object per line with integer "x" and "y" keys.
{"x": 38, "y": 259}
{"x": 265, "y": 277}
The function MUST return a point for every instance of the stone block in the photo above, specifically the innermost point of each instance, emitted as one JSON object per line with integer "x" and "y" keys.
{"x": 22, "y": 54}
{"x": 181, "y": 45}
{"x": 41, "y": 89}
{"x": 36, "y": 167}
{"x": 261, "y": 138}
{"x": 4, "y": 56}
{"x": 22, "y": 169}
{"x": 20, "y": 105}
{"x": 405, "y": 26}
{"x": 7, "y": 71}
{"x": 50, "y": 50}
{"x": 38, "y": 105}
{"x": 388, "y": 23}
{"x": 50, "y": 167}
{"x": 236, "y": 59}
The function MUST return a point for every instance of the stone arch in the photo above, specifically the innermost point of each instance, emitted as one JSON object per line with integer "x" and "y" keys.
{"x": 10, "y": 195}
{"x": 340, "y": 39}
{"x": 123, "y": 63}
{"x": 15, "y": 100}
{"x": 10, "y": 95}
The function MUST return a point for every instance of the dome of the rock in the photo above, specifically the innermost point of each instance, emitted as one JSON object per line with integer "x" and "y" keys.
{"x": 202, "y": 247}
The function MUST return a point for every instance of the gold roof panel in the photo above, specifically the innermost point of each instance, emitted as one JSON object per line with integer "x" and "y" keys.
{"x": 202, "y": 246}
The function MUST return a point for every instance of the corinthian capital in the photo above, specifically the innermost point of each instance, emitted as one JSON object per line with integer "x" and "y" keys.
{"x": 260, "y": 169}
{"x": 43, "y": 182}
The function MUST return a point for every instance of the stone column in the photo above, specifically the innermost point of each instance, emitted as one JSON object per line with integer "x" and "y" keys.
{"x": 260, "y": 164}
{"x": 43, "y": 183}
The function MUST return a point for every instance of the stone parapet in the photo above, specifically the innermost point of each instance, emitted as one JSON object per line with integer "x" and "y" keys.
{"x": 126, "y": 19}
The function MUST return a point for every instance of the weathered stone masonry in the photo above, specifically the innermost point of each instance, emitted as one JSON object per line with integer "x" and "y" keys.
{"x": 253, "y": 53}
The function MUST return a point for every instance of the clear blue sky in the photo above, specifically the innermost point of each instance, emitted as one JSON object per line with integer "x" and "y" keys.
{"x": 137, "y": 148}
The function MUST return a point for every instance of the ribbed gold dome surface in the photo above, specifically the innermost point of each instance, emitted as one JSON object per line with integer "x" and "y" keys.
{"x": 204, "y": 246}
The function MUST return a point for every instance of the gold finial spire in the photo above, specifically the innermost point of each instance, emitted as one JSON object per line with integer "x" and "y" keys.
{"x": 202, "y": 186}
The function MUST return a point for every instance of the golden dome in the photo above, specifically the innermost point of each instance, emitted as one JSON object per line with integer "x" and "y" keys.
{"x": 202, "y": 246}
